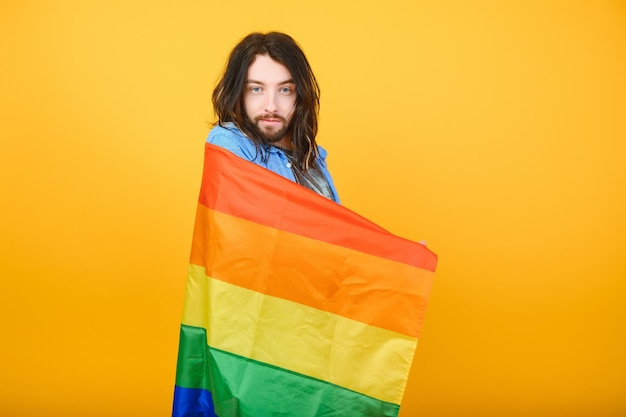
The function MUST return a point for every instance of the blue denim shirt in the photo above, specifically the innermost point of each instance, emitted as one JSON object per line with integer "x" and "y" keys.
{"x": 231, "y": 138}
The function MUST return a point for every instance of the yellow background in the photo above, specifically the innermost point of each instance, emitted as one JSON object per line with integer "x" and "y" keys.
{"x": 495, "y": 130}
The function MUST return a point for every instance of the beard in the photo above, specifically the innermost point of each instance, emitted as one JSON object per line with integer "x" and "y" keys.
{"x": 270, "y": 135}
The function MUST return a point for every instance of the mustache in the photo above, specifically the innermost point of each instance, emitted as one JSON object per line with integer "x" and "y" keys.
{"x": 270, "y": 116}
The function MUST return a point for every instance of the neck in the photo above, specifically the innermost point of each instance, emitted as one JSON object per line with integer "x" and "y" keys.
{"x": 285, "y": 142}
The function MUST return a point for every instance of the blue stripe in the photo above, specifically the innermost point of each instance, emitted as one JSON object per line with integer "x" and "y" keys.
{"x": 192, "y": 402}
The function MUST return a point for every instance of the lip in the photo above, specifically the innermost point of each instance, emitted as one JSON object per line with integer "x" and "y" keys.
{"x": 271, "y": 122}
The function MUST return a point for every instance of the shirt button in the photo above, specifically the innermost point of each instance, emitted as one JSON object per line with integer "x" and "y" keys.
{"x": 288, "y": 164}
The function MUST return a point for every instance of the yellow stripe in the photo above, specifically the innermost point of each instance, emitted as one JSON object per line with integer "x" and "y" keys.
{"x": 312, "y": 342}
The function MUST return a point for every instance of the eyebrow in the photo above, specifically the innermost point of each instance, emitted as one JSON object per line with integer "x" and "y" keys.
{"x": 289, "y": 81}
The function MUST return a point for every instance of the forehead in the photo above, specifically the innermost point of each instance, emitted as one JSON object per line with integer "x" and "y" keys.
{"x": 267, "y": 71}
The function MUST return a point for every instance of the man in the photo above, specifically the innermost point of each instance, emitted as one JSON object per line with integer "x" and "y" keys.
{"x": 286, "y": 316}
{"x": 267, "y": 104}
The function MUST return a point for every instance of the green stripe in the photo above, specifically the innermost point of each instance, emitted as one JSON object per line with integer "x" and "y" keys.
{"x": 243, "y": 387}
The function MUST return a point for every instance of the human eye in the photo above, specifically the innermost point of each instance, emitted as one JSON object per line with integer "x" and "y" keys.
{"x": 254, "y": 89}
{"x": 287, "y": 90}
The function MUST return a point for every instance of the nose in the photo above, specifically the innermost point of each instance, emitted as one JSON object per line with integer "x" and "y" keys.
{"x": 271, "y": 103}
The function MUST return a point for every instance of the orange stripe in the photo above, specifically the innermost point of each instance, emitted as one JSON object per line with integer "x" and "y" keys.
{"x": 372, "y": 290}
{"x": 235, "y": 186}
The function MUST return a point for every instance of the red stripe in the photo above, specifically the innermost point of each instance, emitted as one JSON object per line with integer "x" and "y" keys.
{"x": 240, "y": 188}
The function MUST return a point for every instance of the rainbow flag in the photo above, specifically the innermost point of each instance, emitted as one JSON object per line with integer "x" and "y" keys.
{"x": 295, "y": 305}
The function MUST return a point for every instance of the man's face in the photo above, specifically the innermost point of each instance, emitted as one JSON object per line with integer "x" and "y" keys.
{"x": 269, "y": 99}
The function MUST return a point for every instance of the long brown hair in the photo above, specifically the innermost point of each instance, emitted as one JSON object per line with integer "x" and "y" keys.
{"x": 228, "y": 94}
